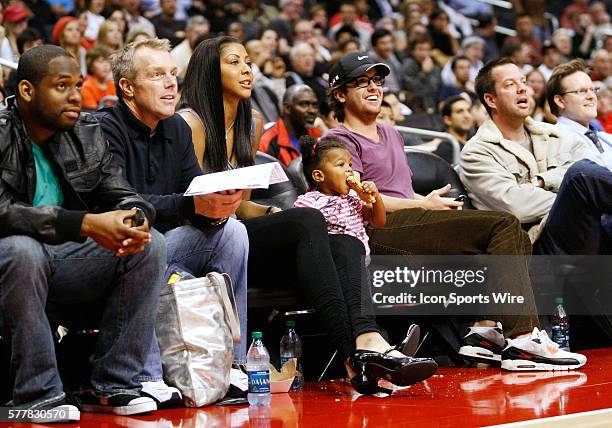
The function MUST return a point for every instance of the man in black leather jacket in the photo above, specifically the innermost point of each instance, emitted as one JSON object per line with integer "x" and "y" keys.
{"x": 75, "y": 243}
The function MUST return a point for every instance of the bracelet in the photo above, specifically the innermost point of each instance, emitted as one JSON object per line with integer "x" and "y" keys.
{"x": 269, "y": 210}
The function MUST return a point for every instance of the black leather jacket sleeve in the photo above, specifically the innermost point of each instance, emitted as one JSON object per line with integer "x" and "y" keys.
{"x": 90, "y": 182}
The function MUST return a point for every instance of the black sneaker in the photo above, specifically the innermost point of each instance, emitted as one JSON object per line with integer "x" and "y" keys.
{"x": 59, "y": 412}
{"x": 117, "y": 404}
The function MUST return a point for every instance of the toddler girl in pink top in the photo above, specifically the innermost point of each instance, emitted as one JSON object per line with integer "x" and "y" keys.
{"x": 327, "y": 165}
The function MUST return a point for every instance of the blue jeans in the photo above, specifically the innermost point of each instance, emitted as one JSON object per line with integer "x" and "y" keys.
{"x": 69, "y": 281}
{"x": 218, "y": 249}
{"x": 577, "y": 221}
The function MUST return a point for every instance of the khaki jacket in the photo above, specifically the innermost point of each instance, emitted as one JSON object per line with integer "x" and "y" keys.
{"x": 499, "y": 174}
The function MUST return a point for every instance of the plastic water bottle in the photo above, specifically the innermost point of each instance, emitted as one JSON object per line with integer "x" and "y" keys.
{"x": 258, "y": 370}
{"x": 290, "y": 348}
{"x": 560, "y": 325}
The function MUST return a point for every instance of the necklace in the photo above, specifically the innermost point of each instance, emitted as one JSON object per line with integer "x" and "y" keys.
{"x": 228, "y": 129}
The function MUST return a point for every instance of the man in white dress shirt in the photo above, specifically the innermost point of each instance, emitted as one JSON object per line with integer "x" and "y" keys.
{"x": 573, "y": 99}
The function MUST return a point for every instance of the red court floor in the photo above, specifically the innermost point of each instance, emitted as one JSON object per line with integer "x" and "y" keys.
{"x": 452, "y": 398}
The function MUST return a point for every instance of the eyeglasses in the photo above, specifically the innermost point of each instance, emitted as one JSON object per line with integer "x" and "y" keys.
{"x": 583, "y": 92}
{"x": 364, "y": 81}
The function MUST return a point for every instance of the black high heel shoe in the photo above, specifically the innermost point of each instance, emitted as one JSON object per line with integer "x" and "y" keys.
{"x": 371, "y": 366}
{"x": 410, "y": 344}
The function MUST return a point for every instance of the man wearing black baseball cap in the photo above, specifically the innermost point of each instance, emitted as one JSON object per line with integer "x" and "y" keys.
{"x": 416, "y": 224}
{"x": 354, "y": 65}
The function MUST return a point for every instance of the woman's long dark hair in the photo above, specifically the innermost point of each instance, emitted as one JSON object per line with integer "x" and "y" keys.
{"x": 203, "y": 92}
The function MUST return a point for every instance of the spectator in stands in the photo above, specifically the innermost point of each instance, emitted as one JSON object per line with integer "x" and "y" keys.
{"x": 303, "y": 63}
{"x": 42, "y": 17}
{"x": 295, "y": 239}
{"x": 569, "y": 17}
{"x": 118, "y": 16}
{"x": 219, "y": 13}
{"x": 599, "y": 13}
{"x": 479, "y": 113}
{"x": 152, "y": 146}
{"x": 444, "y": 44}
{"x": 346, "y": 46}
{"x": 318, "y": 15}
{"x": 263, "y": 96}
{"x": 134, "y": 18}
{"x": 66, "y": 34}
{"x": 303, "y": 31}
{"x": 68, "y": 240}
{"x": 472, "y": 48}
{"x": 421, "y": 75}
{"x": 269, "y": 38}
{"x": 584, "y": 42}
{"x": 345, "y": 33}
{"x": 535, "y": 80}
{"x": 196, "y": 28}
{"x": 520, "y": 54}
{"x": 604, "y": 108}
{"x": 386, "y": 114}
{"x": 300, "y": 109}
{"x": 97, "y": 84}
{"x": 550, "y": 59}
{"x": 460, "y": 66}
{"x": 458, "y": 120}
{"x": 28, "y": 39}
{"x": 86, "y": 42}
{"x": 602, "y": 67}
{"x": 15, "y": 22}
{"x": 258, "y": 55}
{"x": 256, "y": 16}
{"x": 290, "y": 13}
{"x": 517, "y": 165}
{"x": 562, "y": 39}
{"x": 94, "y": 18}
{"x": 274, "y": 69}
{"x": 110, "y": 36}
{"x": 236, "y": 30}
{"x": 486, "y": 31}
{"x": 573, "y": 99}
{"x": 606, "y": 41}
{"x": 348, "y": 17}
{"x": 526, "y": 34}
{"x": 432, "y": 224}
{"x": 412, "y": 14}
{"x": 383, "y": 51}
{"x": 400, "y": 110}
{"x": 166, "y": 25}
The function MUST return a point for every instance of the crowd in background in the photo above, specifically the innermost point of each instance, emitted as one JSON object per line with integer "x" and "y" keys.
{"x": 434, "y": 48}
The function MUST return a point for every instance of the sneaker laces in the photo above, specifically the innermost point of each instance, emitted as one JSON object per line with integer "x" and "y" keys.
{"x": 551, "y": 346}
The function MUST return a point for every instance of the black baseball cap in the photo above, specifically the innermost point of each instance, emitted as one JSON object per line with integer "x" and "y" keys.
{"x": 353, "y": 65}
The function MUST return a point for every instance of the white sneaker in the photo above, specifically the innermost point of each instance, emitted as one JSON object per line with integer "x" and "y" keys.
{"x": 166, "y": 397}
{"x": 483, "y": 344}
{"x": 62, "y": 412}
{"x": 538, "y": 352}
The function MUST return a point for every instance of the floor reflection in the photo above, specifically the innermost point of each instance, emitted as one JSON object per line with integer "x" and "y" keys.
{"x": 453, "y": 397}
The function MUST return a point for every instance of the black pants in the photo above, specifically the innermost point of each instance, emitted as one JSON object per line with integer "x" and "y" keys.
{"x": 292, "y": 249}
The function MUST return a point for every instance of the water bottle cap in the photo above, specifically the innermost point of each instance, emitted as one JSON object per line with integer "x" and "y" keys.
{"x": 257, "y": 335}
{"x": 290, "y": 324}
{"x": 558, "y": 300}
